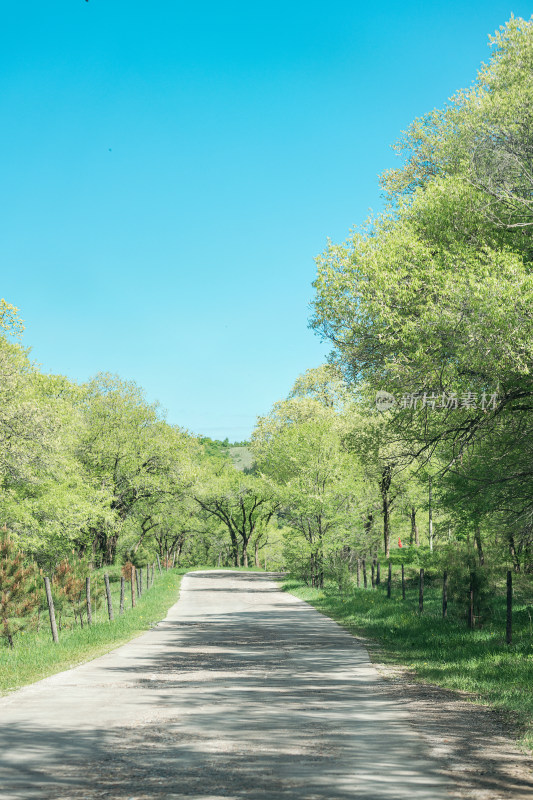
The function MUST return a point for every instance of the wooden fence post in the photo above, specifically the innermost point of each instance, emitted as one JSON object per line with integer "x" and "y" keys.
{"x": 51, "y": 610}
{"x": 389, "y": 581}
{"x": 403, "y": 582}
{"x": 445, "y": 594}
{"x": 159, "y": 564}
{"x": 421, "y": 591}
{"x": 88, "y": 595}
{"x": 122, "y": 591}
{"x": 378, "y": 574}
{"x": 132, "y": 586}
{"x": 509, "y": 625}
{"x": 364, "y": 573}
{"x": 108, "y": 593}
{"x": 471, "y": 603}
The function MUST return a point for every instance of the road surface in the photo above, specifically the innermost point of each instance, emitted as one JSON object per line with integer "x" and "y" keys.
{"x": 243, "y": 691}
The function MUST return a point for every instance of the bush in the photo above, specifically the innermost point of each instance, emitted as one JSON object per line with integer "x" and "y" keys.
{"x": 19, "y": 595}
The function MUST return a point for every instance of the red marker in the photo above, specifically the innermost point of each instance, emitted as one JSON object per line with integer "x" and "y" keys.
{"x": 400, "y": 543}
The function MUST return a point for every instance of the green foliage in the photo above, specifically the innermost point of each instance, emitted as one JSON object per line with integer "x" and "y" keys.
{"x": 299, "y": 450}
{"x": 242, "y": 504}
{"x": 433, "y": 299}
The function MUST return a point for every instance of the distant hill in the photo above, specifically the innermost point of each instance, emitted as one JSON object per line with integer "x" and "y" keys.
{"x": 241, "y": 457}
{"x": 237, "y": 451}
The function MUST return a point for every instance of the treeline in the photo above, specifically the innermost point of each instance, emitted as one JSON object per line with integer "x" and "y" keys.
{"x": 94, "y": 472}
{"x": 420, "y": 429}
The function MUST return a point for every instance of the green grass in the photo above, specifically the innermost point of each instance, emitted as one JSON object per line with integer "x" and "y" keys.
{"x": 437, "y": 650}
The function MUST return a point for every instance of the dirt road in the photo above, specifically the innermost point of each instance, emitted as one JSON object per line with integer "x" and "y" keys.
{"x": 242, "y": 692}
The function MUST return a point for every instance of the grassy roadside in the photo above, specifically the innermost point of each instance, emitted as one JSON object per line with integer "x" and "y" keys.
{"x": 35, "y": 656}
{"x": 438, "y": 651}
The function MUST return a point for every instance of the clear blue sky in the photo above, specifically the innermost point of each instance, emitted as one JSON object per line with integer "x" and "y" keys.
{"x": 170, "y": 170}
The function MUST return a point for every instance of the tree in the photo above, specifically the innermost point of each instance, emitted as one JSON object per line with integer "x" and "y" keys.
{"x": 299, "y": 449}
{"x": 243, "y": 503}
{"x": 142, "y": 462}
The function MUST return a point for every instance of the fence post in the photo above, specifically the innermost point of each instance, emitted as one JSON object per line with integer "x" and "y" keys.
{"x": 445, "y": 594}
{"x": 132, "y": 586}
{"x": 88, "y": 595}
{"x": 378, "y": 574}
{"x": 108, "y": 593}
{"x": 159, "y": 564}
{"x": 509, "y": 626}
{"x": 358, "y": 573}
{"x": 403, "y": 582}
{"x": 421, "y": 591}
{"x": 471, "y": 603}
{"x": 389, "y": 580}
{"x": 364, "y": 573}
{"x": 51, "y": 611}
{"x": 122, "y": 590}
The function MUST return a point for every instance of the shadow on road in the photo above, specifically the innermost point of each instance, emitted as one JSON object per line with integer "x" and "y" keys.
{"x": 262, "y": 703}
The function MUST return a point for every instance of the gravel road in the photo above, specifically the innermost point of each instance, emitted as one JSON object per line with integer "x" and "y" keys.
{"x": 243, "y": 691}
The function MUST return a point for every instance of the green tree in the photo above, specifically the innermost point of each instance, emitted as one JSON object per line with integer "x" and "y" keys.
{"x": 299, "y": 449}
{"x": 432, "y": 299}
{"x": 242, "y": 503}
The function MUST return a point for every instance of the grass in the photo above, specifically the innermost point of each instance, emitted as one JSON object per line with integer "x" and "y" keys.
{"x": 440, "y": 651}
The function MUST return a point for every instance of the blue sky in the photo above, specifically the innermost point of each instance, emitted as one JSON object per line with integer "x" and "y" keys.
{"x": 170, "y": 171}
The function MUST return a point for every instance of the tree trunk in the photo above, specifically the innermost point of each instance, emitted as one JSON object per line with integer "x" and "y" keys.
{"x": 479, "y": 546}
{"x": 386, "y": 476}
{"x": 111, "y": 549}
{"x": 235, "y": 550}
{"x": 368, "y": 523}
{"x": 257, "y": 562}
{"x": 414, "y": 538}
{"x": 430, "y": 512}
{"x": 512, "y": 550}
